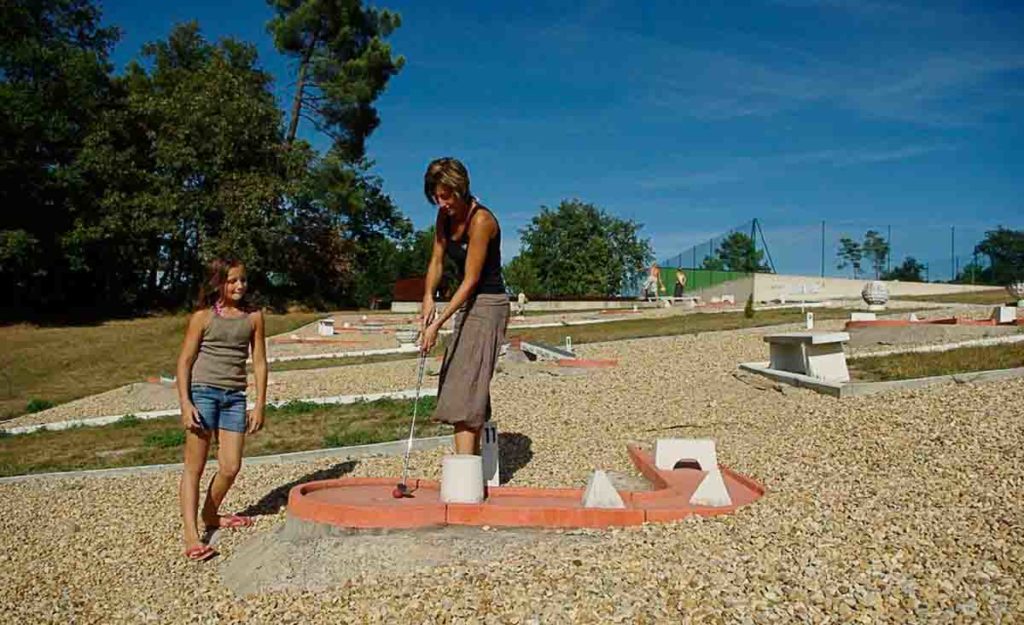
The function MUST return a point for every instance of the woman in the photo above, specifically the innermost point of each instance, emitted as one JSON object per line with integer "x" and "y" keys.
{"x": 468, "y": 233}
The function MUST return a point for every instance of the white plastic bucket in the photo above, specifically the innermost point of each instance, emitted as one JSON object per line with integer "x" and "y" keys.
{"x": 462, "y": 479}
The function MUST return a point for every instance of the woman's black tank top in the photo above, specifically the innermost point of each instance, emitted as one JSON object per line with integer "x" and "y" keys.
{"x": 491, "y": 280}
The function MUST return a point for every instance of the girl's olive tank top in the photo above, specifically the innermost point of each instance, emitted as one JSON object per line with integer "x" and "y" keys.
{"x": 223, "y": 352}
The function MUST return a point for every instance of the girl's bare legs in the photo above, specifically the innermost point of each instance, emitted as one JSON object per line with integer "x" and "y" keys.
{"x": 467, "y": 439}
{"x": 197, "y": 444}
{"x": 229, "y": 462}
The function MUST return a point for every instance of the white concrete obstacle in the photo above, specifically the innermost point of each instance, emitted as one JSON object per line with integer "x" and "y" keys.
{"x": 462, "y": 479}
{"x": 325, "y": 327}
{"x": 1004, "y": 314}
{"x": 863, "y": 316}
{"x": 668, "y": 452}
{"x": 815, "y": 354}
{"x": 544, "y": 351}
{"x": 601, "y": 493}
{"x": 489, "y": 454}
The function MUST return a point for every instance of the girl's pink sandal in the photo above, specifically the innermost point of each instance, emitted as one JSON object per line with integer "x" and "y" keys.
{"x": 233, "y": 521}
{"x": 200, "y": 553}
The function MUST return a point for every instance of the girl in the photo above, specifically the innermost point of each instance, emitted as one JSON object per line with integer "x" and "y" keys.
{"x": 468, "y": 233}
{"x": 211, "y": 389}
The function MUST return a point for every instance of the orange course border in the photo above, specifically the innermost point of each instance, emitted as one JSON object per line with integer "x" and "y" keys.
{"x": 368, "y": 502}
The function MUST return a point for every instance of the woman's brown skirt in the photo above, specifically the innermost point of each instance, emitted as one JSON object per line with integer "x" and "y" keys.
{"x": 464, "y": 387}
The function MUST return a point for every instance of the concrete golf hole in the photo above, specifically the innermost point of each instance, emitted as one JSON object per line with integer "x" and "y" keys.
{"x": 367, "y": 503}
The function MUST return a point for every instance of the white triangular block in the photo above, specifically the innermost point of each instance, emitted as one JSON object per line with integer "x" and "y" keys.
{"x": 489, "y": 453}
{"x": 669, "y": 451}
{"x": 913, "y": 317}
{"x": 711, "y": 491}
{"x": 600, "y": 493}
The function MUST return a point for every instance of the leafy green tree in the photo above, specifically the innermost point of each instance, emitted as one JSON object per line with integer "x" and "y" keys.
{"x": 578, "y": 249}
{"x": 1005, "y": 250}
{"x": 713, "y": 263}
{"x": 737, "y": 252}
{"x": 850, "y": 255}
{"x": 54, "y": 82}
{"x": 521, "y": 276}
{"x": 876, "y": 249}
{"x": 188, "y": 167}
{"x": 344, "y": 64}
{"x": 909, "y": 271}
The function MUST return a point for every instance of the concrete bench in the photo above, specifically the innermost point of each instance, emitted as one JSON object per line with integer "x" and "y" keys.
{"x": 816, "y": 354}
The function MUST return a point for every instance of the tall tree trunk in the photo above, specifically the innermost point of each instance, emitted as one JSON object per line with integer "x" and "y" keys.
{"x": 293, "y": 125}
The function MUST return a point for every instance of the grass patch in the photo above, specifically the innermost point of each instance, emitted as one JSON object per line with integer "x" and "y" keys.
{"x": 995, "y": 297}
{"x": 65, "y": 363}
{"x": 38, "y": 405}
{"x": 297, "y": 426}
{"x": 165, "y": 439}
{"x": 127, "y": 421}
{"x": 674, "y": 325}
{"x": 927, "y": 364}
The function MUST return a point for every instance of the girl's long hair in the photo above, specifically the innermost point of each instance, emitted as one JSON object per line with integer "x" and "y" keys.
{"x": 216, "y": 277}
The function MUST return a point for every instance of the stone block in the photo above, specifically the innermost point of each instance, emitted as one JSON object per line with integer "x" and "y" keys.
{"x": 863, "y": 316}
{"x": 670, "y": 451}
{"x": 1004, "y": 314}
{"x": 816, "y": 354}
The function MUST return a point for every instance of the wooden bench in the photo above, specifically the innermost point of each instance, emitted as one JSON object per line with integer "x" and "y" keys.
{"x": 815, "y": 354}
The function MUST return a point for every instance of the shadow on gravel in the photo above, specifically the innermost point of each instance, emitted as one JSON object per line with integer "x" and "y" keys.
{"x": 515, "y": 453}
{"x": 272, "y": 502}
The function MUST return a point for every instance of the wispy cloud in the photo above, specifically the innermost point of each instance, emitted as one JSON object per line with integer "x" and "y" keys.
{"x": 950, "y": 77}
{"x": 764, "y": 166}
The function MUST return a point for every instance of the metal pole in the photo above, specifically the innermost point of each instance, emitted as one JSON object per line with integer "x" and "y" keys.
{"x": 952, "y": 242}
{"x": 822, "y": 248}
{"x": 888, "y": 255}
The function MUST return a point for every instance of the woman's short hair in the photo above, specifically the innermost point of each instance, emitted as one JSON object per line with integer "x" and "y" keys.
{"x": 449, "y": 172}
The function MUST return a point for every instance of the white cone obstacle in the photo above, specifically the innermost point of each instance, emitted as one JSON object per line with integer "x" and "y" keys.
{"x": 601, "y": 493}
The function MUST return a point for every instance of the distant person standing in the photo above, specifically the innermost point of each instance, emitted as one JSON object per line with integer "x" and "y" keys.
{"x": 653, "y": 284}
{"x": 680, "y": 283}
{"x": 468, "y": 233}
{"x": 521, "y": 304}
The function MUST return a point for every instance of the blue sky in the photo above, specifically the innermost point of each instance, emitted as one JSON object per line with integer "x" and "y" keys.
{"x": 692, "y": 118}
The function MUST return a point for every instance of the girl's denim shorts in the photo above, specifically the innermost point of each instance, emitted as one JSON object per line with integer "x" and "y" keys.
{"x": 219, "y": 408}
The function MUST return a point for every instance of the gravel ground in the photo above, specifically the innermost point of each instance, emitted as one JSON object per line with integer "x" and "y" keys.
{"x": 903, "y": 507}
